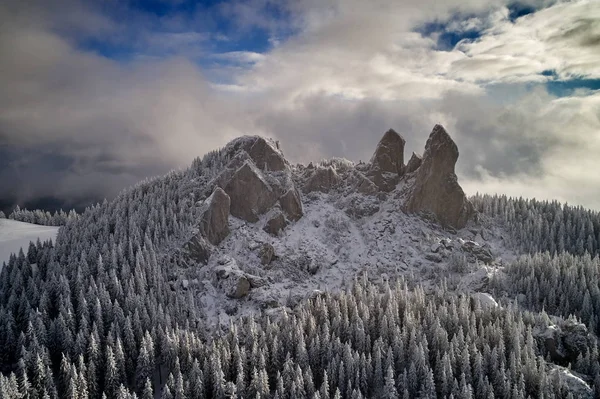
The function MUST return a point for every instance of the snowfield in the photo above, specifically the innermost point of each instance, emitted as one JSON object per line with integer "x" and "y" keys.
{"x": 15, "y": 235}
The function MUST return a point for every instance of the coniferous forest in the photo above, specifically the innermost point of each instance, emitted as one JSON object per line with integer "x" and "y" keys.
{"x": 93, "y": 316}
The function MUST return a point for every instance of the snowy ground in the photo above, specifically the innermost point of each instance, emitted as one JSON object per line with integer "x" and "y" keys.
{"x": 326, "y": 249}
{"x": 15, "y": 235}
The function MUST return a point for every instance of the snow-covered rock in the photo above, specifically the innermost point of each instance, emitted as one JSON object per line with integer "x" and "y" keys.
{"x": 340, "y": 225}
{"x": 575, "y": 385}
{"x": 251, "y": 195}
{"x": 413, "y": 163}
{"x": 214, "y": 222}
{"x": 322, "y": 179}
{"x": 291, "y": 204}
{"x": 485, "y": 300}
{"x": 276, "y": 223}
{"x": 389, "y": 154}
{"x": 435, "y": 188}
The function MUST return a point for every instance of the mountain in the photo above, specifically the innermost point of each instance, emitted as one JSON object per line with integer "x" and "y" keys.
{"x": 247, "y": 276}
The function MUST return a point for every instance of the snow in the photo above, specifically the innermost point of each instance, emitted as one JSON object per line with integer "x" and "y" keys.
{"x": 326, "y": 249}
{"x": 578, "y": 387}
{"x": 486, "y": 300}
{"x": 16, "y": 235}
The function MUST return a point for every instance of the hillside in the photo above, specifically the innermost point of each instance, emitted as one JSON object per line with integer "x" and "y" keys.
{"x": 246, "y": 276}
{"x": 15, "y": 235}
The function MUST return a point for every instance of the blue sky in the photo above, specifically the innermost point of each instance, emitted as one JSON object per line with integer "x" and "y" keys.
{"x": 99, "y": 95}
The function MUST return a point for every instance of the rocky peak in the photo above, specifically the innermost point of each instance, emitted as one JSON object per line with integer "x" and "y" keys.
{"x": 265, "y": 153}
{"x": 251, "y": 195}
{"x": 435, "y": 187}
{"x": 389, "y": 154}
{"x": 413, "y": 163}
{"x": 387, "y": 163}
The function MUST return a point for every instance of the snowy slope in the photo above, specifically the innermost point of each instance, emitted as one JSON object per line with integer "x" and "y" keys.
{"x": 15, "y": 235}
{"x": 326, "y": 249}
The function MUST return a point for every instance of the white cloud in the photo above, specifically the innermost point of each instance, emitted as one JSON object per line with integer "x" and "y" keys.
{"x": 564, "y": 38}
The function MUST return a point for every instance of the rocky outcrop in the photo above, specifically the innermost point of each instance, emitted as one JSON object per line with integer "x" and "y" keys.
{"x": 565, "y": 341}
{"x": 387, "y": 163}
{"x": 276, "y": 224}
{"x": 265, "y": 156}
{"x": 389, "y": 154}
{"x": 267, "y": 254}
{"x": 264, "y": 153}
{"x": 435, "y": 188}
{"x": 323, "y": 180}
{"x": 198, "y": 249}
{"x": 413, "y": 163}
{"x": 256, "y": 178}
{"x": 291, "y": 204}
{"x": 214, "y": 227}
{"x": 476, "y": 252}
{"x": 250, "y": 193}
{"x": 362, "y": 184}
{"x": 214, "y": 222}
{"x": 236, "y": 286}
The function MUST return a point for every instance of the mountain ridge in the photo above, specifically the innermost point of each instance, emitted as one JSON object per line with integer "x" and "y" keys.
{"x": 162, "y": 291}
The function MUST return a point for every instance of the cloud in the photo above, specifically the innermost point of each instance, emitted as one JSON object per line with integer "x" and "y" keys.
{"x": 564, "y": 38}
{"x": 95, "y": 125}
{"x": 78, "y": 122}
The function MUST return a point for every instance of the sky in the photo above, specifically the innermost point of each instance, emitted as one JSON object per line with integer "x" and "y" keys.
{"x": 97, "y": 95}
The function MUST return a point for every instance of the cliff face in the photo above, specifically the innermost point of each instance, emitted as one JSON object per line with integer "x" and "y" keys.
{"x": 435, "y": 187}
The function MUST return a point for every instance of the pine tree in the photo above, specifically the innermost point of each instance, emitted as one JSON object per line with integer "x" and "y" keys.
{"x": 389, "y": 388}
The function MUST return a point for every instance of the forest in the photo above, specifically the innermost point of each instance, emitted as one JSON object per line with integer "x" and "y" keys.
{"x": 93, "y": 316}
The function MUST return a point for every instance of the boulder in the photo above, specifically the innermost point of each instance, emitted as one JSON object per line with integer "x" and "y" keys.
{"x": 435, "y": 188}
{"x": 291, "y": 204}
{"x": 413, "y": 163}
{"x": 250, "y": 193}
{"x": 231, "y": 279}
{"x": 565, "y": 341}
{"x": 485, "y": 300}
{"x": 236, "y": 285}
{"x": 478, "y": 252}
{"x": 362, "y": 184}
{"x": 276, "y": 224}
{"x": 214, "y": 222}
{"x": 322, "y": 179}
{"x": 267, "y": 254}
{"x": 433, "y": 257}
{"x": 389, "y": 154}
{"x": 198, "y": 249}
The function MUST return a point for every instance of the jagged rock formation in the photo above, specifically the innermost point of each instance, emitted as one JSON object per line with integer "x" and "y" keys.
{"x": 322, "y": 179}
{"x": 251, "y": 195}
{"x": 291, "y": 204}
{"x": 198, "y": 249}
{"x": 389, "y": 154}
{"x": 435, "y": 188}
{"x": 257, "y": 178}
{"x": 264, "y": 154}
{"x": 413, "y": 163}
{"x": 276, "y": 224}
{"x": 362, "y": 184}
{"x": 387, "y": 163}
{"x": 214, "y": 223}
